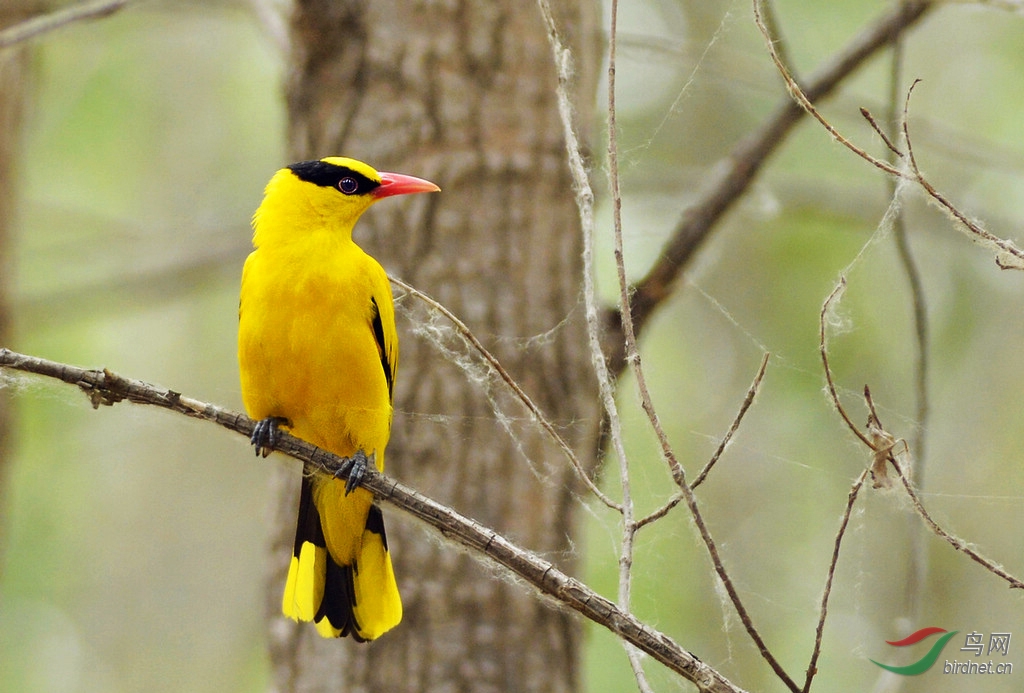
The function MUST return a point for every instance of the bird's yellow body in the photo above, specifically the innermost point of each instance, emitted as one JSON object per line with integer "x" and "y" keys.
{"x": 317, "y": 351}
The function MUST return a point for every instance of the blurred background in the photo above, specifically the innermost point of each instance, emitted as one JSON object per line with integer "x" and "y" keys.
{"x": 133, "y": 540}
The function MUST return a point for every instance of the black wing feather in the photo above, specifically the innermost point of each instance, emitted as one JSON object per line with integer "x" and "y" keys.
{"x": 378, "y": 334}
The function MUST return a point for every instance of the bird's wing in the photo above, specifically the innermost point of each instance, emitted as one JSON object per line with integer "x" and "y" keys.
{"x": 387, "y": 339}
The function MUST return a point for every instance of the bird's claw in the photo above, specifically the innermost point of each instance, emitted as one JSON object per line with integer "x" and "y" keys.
{"x": 352, "y": 470}
{"x": 266, "y": 434}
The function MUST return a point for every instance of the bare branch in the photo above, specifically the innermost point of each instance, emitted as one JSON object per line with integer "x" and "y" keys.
{"x": 1007, "y": 254}
{"x": 953, "y": 540}
{"x": 917, "y": 554}
{"x": 632, "y": 356}
{"x": 629, "y": 526}
{"x": 880, "y": 131}
{"x": 104, "y": 387}
{"x": 730, "y": 588}
{"x": 826, "y": 308}
{"x": 881, "y": 444}
{"x": 585, "y": 204}
{"x": 729, "y": 180}
{"x": 747, "y": 401}
{"x": 812, "y": 666}
{"x": 661, "y": 512}
{"x": 914, "y": 281}
{"x": 45, "y": 23}
{"x": 798, "y": 95}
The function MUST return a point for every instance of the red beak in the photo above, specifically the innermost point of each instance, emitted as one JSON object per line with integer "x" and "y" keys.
{"x": 399, "y": 184}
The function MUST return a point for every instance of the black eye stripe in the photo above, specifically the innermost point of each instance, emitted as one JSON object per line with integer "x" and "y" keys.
{"x": 329, "y": 175}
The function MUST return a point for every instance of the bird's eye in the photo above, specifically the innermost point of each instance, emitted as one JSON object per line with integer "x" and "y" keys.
{"x": 348, "y": 185}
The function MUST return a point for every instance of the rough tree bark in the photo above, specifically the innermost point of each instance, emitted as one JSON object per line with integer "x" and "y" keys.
{"x": 462, "y": 94}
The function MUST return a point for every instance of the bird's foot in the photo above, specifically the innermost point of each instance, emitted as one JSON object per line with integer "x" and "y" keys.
{"x": 266, "y": 434}
{"x": 352, "y": 470}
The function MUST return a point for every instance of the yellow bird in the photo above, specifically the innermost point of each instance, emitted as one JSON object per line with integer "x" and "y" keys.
{"x": 317, "y": 352}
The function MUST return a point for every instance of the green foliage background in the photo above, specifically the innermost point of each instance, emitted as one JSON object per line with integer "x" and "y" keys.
{"x": 133, "y": 540}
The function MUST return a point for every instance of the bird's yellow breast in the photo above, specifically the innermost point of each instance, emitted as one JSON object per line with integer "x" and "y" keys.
{"x": 307, "y": 348}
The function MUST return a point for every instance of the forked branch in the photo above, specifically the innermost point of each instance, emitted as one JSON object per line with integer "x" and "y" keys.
{"x": 882, "y": 446}
{"x": 729, "y": 180}
{"x": 1007, "y": 254}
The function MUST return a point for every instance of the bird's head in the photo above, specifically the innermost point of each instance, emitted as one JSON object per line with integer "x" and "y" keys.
{"x": 333, "y": 191}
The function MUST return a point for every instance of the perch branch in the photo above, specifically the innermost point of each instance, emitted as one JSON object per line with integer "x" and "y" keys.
{"x": 104, "y": 387}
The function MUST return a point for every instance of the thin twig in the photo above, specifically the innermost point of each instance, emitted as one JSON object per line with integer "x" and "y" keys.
{"x": 918, "y": 559}
{"x": 104, "y": 387}
{"x": 812, "y": 666}
{"x": 661, "y": 512}
{"x": 730, "y": 588}
{"x": 880, "y": 131}
{"x": 917, "y": 570}
{"x": 496, "y": 366}
{"x": 826, "y": 307}
{"x": 1008, "y": 255}
{"x": 798, "y": 95}
{"x": 897, "y": 121}
{"x": 677, "y": 497}
{"x": 585, "y": 205}
{"x": 747, "y": 401}
{"x": 954, "y": 541}
{"x": 691, "y": 502}
{"x": 45, "y": 23}
{"x": 771, "y": 20}
{"x": 629, "y": 528}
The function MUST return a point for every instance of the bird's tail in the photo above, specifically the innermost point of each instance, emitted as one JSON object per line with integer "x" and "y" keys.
{"x": 359, "y": 597}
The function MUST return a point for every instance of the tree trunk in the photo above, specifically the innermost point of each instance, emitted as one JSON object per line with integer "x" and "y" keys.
{"x": 13, "y": 91}
{"x": 461, "y": 94}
